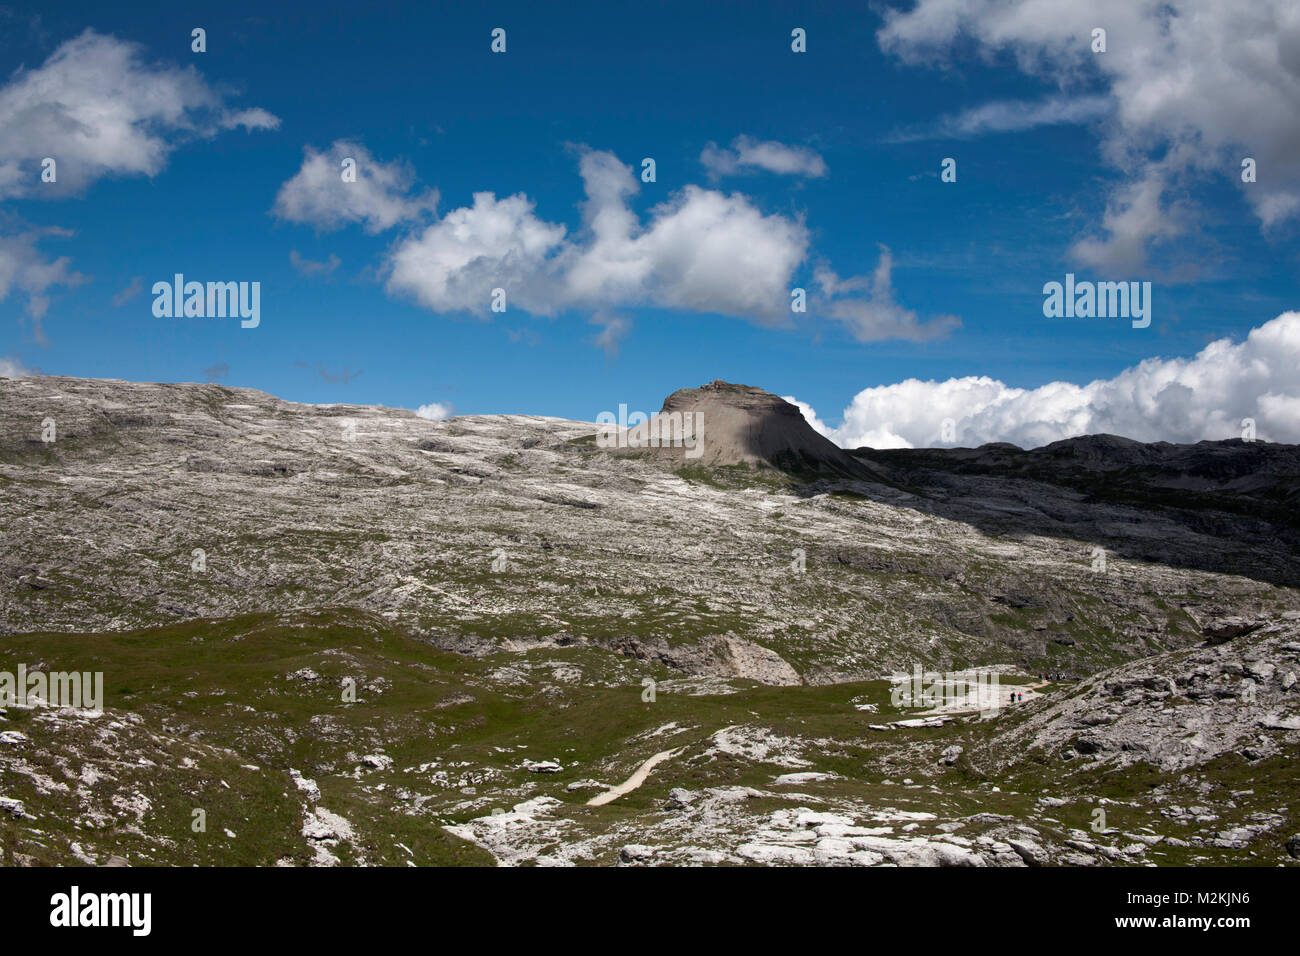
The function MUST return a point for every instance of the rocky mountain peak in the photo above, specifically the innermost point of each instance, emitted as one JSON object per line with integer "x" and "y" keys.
{"x": 746, "y": 425}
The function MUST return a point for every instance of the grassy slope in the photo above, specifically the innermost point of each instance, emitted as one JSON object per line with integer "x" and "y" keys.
{"x": 206, "y": 701}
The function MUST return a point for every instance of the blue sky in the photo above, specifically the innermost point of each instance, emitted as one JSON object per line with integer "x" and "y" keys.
{"x": 878, "y": 100}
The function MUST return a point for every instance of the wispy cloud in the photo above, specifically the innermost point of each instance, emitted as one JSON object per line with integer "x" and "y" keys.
{"x": 1196, "y": 87}
{"x": 869, "y": 310}
{"x": 133, "y": 289}
{"x": 527, "y": 336}
{"x": 334, "y": 378}
{"x": 1007, "y": 116}
{"x": 749, "y": 155}
{"x": 12, "y": 367}
{"x": 250, "y": 119}
{"x": 26, "y": 271}
{"x": 613, "y": 329}
{"x": 309, "y": 267}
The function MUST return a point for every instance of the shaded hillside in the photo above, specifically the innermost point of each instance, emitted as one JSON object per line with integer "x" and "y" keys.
{"x": 1125, "y": 495}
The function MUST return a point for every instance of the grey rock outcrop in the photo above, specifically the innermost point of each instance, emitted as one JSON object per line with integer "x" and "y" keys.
{"x": 1176, "y": 710}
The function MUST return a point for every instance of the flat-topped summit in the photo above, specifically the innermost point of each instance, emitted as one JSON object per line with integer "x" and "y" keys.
{"x": 745, "y": 425}
{"x": 740, "y": 396}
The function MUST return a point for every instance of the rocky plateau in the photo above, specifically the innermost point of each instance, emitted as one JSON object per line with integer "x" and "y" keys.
{"x": 351, "y": 635}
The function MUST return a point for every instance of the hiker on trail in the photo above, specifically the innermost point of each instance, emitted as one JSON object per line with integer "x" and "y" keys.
{"x": 1020, "y": 696}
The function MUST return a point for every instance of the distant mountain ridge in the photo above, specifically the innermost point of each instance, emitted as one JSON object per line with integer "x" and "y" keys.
{"x": 1256, "y": 479}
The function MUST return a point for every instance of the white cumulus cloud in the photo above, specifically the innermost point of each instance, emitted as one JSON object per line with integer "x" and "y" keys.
{"x": 454, "y": 264}
{"x": 435, "y": 411}
{"x": 701, "y": 251}
{"x": 381, "y": 196}
{"x": 98, "y": 109}
{"x": 1205, "y": 397}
